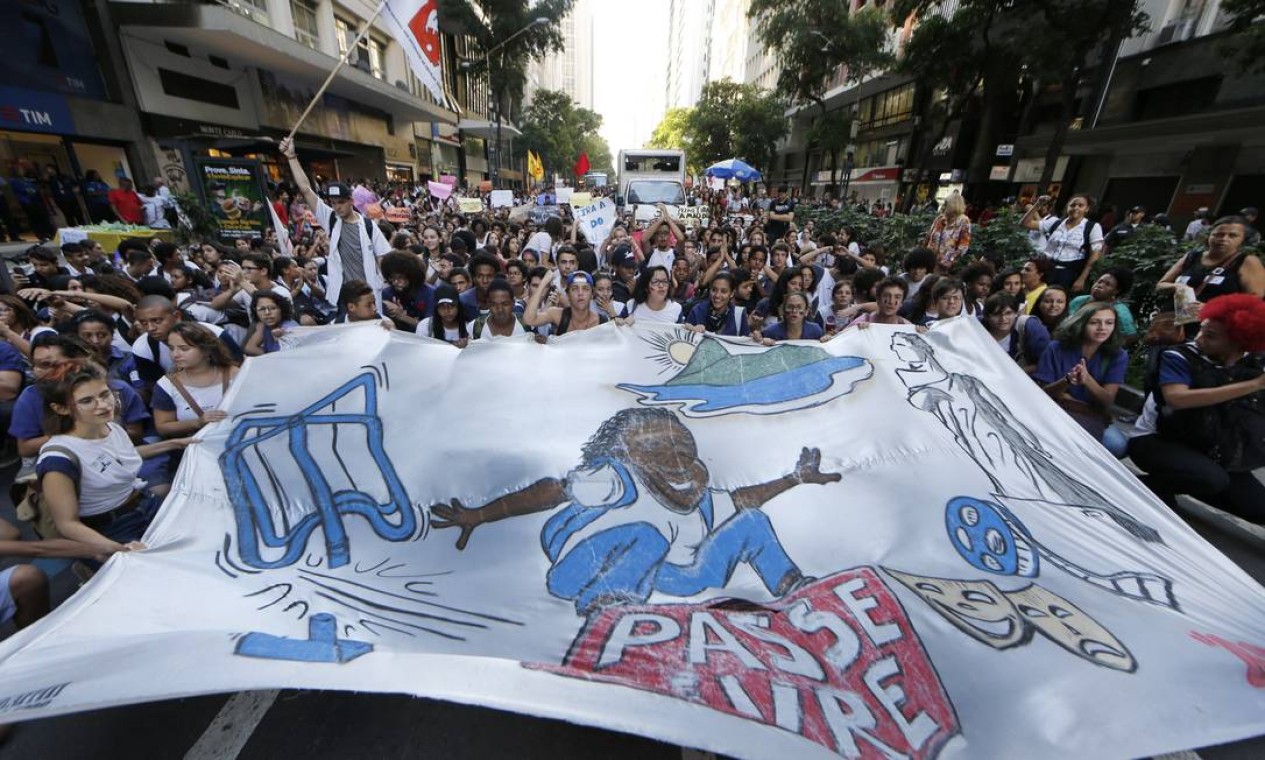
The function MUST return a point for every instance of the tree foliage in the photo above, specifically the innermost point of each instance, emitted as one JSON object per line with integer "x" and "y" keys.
{"x": 733, "y": 120}
{"x": 488, "y": 23}
{"x": 813, "y": 38}
{"x": 599, "y": 155}
{"x": 670, "y": 132}
{"x": 558, "y": 130}
{"x": 1247, "y": 27}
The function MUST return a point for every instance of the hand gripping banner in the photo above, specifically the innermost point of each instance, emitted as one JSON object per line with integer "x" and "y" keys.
{"x": 889, "y": 545}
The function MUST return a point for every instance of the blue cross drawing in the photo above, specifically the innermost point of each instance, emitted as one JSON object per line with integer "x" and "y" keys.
{"x": 394, "y": 520}
{"x": 321, "y": 645}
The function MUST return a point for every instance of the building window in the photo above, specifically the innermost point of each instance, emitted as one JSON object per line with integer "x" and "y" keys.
{"x": 305, "y": 28}
{"x": 886, "y": 108}
{"x": 376, "y": 51}
{"x": 255, "y": 10}
{"x": 180, "y": 85}
{"x": 370, "y": 54}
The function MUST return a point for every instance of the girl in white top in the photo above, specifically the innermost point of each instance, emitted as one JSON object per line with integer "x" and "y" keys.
{"x": 88, "y": 470}
{"x": 650, "y": 302}
{"x": 189, "y": 396}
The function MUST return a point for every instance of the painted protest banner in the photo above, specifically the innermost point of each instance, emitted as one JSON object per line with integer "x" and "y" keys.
{"x": 889, "y": 545}
{"x": 694, "y": 216}
{"x": 233, "y": 191}
{"x": 596, "y": 220}
{"x": 398, "y": 214}
{"x": 470, "y": 205}
{"x": 502, "y": 198}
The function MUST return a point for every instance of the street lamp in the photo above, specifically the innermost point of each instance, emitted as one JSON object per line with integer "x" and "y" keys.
{"x": 494, "y": 108}
{"x": 825, "y": 47}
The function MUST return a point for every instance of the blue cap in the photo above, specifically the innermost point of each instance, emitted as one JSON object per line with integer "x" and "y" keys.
{"x": 580, "y": 275}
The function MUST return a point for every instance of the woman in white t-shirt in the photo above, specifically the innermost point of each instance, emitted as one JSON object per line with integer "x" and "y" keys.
{"x": 190, "y": 396}
{"x": 88, "y": 470}
{"x": 650, "y": 302}
{"x": 1073, "y": 243}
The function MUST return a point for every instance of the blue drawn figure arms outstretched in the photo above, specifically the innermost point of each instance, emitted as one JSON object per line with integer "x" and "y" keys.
{"x": 257, "y": 528}
{"x": 639, "y": 518}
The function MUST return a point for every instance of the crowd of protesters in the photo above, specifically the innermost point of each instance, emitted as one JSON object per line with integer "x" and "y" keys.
{"x": 120, "y": 357}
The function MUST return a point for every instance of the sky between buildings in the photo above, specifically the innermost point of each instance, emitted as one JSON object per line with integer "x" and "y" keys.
{"x": 630, "y": 69}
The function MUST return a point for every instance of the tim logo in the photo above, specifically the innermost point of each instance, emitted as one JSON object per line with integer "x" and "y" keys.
{"x": 836, "y": 662}
{"x": 32, "y": 700}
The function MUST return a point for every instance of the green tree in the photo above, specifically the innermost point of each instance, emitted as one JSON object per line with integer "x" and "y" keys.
{"x": 1247, "y": 27}
{"x": 813, "y": 38}
{"x": 558, "y": 130}
{"x": 733, "y": 120}
{"x": 599, "y": 155}
{"x": 486, "y": 24}
{"x": 670, "y": 133}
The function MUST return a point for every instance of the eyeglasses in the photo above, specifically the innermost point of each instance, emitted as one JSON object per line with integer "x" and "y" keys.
{"x": 266, "y": 309}
{"x": 252, "y": 269}
{"x": 659, "y": 282}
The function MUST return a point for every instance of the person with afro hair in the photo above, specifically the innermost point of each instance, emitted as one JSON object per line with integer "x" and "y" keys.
{"x": 1202, "y": 429}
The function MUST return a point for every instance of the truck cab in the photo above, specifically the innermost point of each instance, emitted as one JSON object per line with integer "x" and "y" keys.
{"x": 649, "y": 177}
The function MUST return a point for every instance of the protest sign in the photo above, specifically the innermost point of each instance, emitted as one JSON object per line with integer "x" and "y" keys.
{"x": 448, "y": 179}
{"x": 580, "y": 199}
{"x": 234, "y": 193}
{"x": 470, "y": 205}
{"x": 397, "y": 215}
{"x": 542, "y": 214}
{"x": 892, "y": 544}
{"x": 439, "y": 190}
{"x": 596, "y": 220}
{"x": 563, "y": 195}
{"x": 502, "y": 198}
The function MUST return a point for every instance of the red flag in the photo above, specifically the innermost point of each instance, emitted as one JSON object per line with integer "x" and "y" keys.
{"x": 582, "y": 166}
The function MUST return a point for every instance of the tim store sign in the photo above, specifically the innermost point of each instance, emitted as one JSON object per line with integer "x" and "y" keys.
{"x": 33, "y": 111}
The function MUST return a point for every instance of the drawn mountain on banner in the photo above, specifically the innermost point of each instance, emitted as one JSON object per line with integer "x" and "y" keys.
{"x": 780, "y": 379}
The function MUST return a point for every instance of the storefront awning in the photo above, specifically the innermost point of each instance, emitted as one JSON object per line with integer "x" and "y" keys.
{"x": 219, "y": 31}
{"x": 487, "y": 129}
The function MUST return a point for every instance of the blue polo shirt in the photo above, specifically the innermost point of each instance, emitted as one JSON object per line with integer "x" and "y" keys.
{"x": 812, "y": 331}
{"x": 28, "y": 410}
{"x": 1058, "y": 360}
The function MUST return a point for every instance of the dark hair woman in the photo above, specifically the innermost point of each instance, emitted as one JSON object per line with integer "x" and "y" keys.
{"x": 1021, "y": 336}
{"x": 448, "y": 323}
{"x": 188, "y": 397}
{"x": 88, "y": 468}
{"x": 271, "y": 315}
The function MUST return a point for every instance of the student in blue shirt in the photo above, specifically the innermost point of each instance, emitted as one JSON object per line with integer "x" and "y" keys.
{"x": 718, "y": 314}
{"x": 794, "y": 324}
{"x": 1084, "y": 367}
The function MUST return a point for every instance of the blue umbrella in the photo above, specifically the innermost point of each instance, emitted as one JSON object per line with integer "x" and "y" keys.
{"x": 734, "y": 168}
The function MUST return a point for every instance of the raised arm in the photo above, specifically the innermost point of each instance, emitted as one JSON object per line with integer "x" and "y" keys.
{"x": 300, "y": 176}
{"x": 807, "y": 470}
{"x": 532, "y": 315}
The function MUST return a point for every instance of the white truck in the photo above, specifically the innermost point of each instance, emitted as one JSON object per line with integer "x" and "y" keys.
{"x": 648, "y": 177}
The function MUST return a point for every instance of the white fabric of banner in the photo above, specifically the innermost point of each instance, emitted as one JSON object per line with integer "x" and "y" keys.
{"x": 597, "y": 220}
{"x": 890, "y": 544}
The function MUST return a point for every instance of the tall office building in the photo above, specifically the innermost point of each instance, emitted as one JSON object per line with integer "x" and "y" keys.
{"x": 569, "y": 70}
{"x": 688, "y": 51}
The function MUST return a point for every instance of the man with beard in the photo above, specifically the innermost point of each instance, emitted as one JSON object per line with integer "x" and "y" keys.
{"x": 639, "y": 518}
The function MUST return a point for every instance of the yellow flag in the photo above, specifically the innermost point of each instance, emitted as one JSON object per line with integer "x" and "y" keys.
{"x": 535, "y": 168}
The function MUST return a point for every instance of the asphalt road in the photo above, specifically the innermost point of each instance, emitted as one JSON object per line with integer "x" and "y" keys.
{"x": 320, "y": 725}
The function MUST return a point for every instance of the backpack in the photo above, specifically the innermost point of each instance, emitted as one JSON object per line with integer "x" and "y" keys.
{"x": 1086, "y": 248}
{"x": 333, "y": 219}
{"x": 1231, "y": 433}
{"x": 30, "y": 507}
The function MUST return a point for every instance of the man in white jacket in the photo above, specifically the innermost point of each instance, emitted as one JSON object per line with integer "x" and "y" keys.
{"x": 355, "y": 242}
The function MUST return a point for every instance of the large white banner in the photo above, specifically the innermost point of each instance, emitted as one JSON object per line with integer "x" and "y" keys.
{"x": 889, "y": 545}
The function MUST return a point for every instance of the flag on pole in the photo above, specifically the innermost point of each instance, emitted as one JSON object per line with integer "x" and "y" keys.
{"x": 535, "y": 168}
{"x": 283, "y": 234}
{"x": 582, "y": 165}
{"x": 415, "y": 25}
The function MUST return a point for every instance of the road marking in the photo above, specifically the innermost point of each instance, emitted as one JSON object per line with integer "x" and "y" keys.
{"x": 232, "y": 727}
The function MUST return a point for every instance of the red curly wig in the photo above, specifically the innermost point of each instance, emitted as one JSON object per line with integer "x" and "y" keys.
{"x": 1243, "y": 316}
